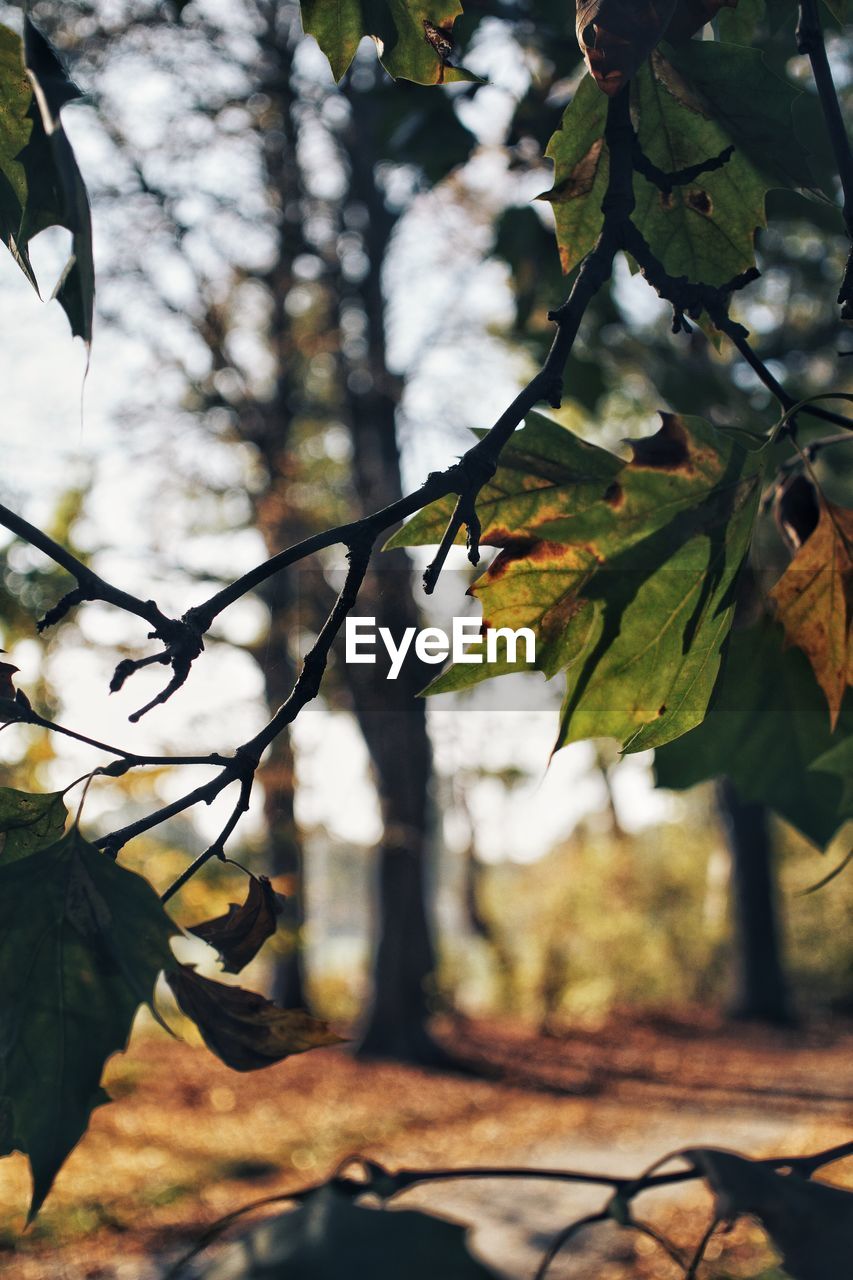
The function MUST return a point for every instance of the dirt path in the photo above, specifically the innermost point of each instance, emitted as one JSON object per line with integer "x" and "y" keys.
{"x": 187, "y": 1141}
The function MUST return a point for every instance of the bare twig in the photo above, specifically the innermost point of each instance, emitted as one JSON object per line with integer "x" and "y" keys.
{"x": 810, "y": 41}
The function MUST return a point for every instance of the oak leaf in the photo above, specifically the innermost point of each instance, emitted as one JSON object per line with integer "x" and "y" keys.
{"x": 814, "y": 602}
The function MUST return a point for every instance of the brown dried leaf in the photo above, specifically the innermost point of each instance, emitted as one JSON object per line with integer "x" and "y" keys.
{"x": 239, "y": 935}
{"x": 616, "y": 37}
{"x": 810, "y": 1223}
{"x": 814, "y": 602}
{"x": 244, "y": 1029}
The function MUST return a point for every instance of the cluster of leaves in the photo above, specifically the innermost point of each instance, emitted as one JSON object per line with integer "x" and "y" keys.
{"x": 628, "y": 574}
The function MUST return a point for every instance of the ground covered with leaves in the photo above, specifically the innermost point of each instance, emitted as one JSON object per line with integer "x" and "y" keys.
{"x": 188, "y": 1141}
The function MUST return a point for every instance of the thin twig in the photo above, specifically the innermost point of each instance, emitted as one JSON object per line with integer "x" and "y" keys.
{"x": 91, "y": 586}
{"x": 810, "y": 41}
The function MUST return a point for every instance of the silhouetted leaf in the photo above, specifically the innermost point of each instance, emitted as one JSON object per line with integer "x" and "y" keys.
{"x": 239, "y": 935}
{"x": 40, "y": 184}
{"x": 81, "y": 943}
{"x": 329, "y": 1237}
{"x": 244, "y": 1029}
{"x": 414, "y": 37}
{"x": 810, "y": 1223}
{"x": 56, "y": 191}
{"x": 766, "y": 729}
{"x": 28, "y": 822}
{"x": 814, "y": 602}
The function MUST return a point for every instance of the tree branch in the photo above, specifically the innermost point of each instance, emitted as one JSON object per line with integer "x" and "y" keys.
{"x": 810, "y": 41}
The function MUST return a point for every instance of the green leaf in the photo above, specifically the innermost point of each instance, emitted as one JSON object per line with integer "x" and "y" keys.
{"x": 28, "y": 822}
{"x": 624, "y": 571}
{"x": 581, "y": 173}
{"x": 408, "y": 33}
{"x": 766, "y": 729}
{"x": 749, "y": 101}
{"x": 81, "y": 943}
{"x": 705, "y": 231}
{"x": 545, "y": 472}
{"x": 329, "y": 1236}
{"x": 664, "y": 603}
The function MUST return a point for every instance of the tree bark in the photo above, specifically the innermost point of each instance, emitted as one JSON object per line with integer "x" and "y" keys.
{"x": 391, "y": 717}
{"x": 761, "y": 989}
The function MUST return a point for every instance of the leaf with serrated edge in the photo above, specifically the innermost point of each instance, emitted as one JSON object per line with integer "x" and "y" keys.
{"x": 814, "y": 602}
{"x": 81, "y": 943}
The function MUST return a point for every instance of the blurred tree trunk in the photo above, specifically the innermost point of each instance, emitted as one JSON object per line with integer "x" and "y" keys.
{"x": 391, "y": 716}
{"x": 761, "y": 989}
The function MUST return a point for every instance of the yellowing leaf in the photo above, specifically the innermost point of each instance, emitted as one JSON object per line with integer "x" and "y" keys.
{"x": 624, "y": 571}
{"x": 814, "y": 602}
{"x": 414, "y": 37}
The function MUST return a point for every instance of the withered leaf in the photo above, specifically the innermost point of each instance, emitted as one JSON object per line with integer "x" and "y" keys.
{"x": 239, "y": 934}
{"x": 814, "y": 602}
{"x": 244, "y": 1029}
{"x": 810, "y": 1223}
{"x": 616, "y": 37}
